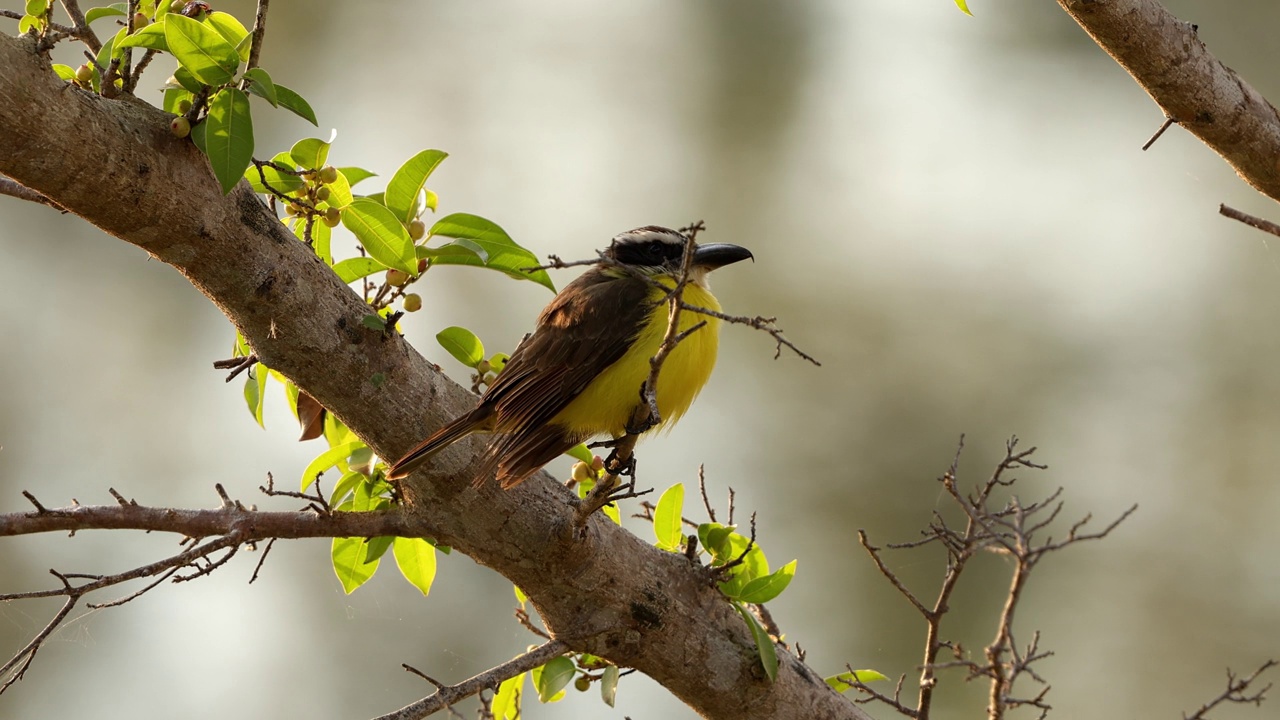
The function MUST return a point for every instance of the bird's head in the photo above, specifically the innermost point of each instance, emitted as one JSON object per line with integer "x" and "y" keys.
{"x": 657, "y": 250}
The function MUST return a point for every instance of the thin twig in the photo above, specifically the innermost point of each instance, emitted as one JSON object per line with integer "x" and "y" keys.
{"x": 1254, "y": 222}
{"x": 1168, "y": 121}
{"x": 447, "y": 695}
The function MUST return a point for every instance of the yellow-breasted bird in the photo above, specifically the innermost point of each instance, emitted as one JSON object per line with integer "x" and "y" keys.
{"x": 579, "y": 374}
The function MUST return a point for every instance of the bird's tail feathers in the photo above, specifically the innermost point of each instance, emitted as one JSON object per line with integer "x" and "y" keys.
{"x": 474, "y": 421}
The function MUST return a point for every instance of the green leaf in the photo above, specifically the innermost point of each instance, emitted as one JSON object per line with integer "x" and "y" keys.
{"x": 964, "y": 7}
{"x": 66, "y": 72}
{"x": 577, "y": 452}
{"x": 381, "y": 234}
{"x": 501, "y": 252}
{"x": 763, "y": 589}
{"x": 328, "y": 459}
{"x": 416, "y": 559}
{"x": 37, "y": 7}
{"x": 151, "y": 37}
{"x": 231, "y": 30}
{"x": 376, "y": 547}
{"x": 173, "y": 96}
{"x": 253, "y": 398}
{"x": 714, "y": 537}
{"x": 187, "y": 80}
{"x": 506, "y": 702}
{"x": 356, "y": 174}
{"x": 310, "y": 153}
{"x": 611, "y": 511}
{"x": 339, "y": 192}
{"x": 842, "y": 681}
{"x": 764, "y": 643}
{"x": 345, "y": 486}
{"x": 348, "y": 563}
{"x": 293, "y": 102}
{"x": 666, "y": 518}
{"x": 201, "y": 50}
{"x": 114, "y": 9}
{"x": 553, "y": 678}
{"x": 30, "y": 24}
{"x": 374, "y": 322}
{"x": 609, "y": 685}
{"x": 405, "y": 186}
{"x": 230, "y": 136}
{"x": 260, "y": 84}
{"x": 462, "y": 344}
{"x": 353, "y": 269}
{"x": 281, "y": 182}
{"x": 520, "y": 596}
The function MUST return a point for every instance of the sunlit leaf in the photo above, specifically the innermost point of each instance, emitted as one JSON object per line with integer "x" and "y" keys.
{"x": 326, "y": 460}
{"x": 112, "y": 10}
{"x": 294, "y": 102}
{"x": 356, "y": 174}
{"x": 282, "y": 182}
{"x": 310, "y": 153}
{"x": 345, "y": 486}
{"x": 260, "y": 84}
{"x": 229, "y": 141}
{"x": 231, "y": 30}
{"x": 842, "y": 681}
{"x": 353, "y": 269}
{"x": 66, "y": 72}
{"x": 579, "y": 452}
{"x": 416, "y": 559}
{"x": 500, "y": 251}
{"x": 764, "y": 643}
{"x": 609, "y": 685}
{"x": 462, "y": 344}
{"x": 964, "y": 7}
{"x": 151, "y": 37}
{"x": 381, "y": 234}
{"x": 349, "y": 565}
{"x": 763, "y": 589}
{"x": 506, "y": 702}
{"x": 408, "y": 182}
{"x": 201, "y": 49}
{"x": 666, "y": 518}
{"x": 253, "y": 396}
{"x": 553, "y": 678}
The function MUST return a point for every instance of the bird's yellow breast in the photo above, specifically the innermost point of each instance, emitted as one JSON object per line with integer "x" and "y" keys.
{"x": 608, "y": 402}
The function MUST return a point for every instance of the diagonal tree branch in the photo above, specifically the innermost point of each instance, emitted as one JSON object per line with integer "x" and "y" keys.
{"x": 118, "y": 166}
{"x": 1167, "y": 58}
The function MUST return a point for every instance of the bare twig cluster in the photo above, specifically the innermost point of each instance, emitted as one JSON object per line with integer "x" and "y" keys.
{"x": 1007, "y": 527}
{"x": 1237, "y": 692}
{"x": 210, "y": 538}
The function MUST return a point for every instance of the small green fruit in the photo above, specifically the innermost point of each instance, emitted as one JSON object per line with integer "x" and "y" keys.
{"x": 84, "y": 74}
{"x": 483, "y": 367}
{"x": 140, "y": 21}
{"x": 332, "y": 217}
{"x": 322, "y": 194}
{"x": 180, "y": 127}
{"x": 417, "y": 230}
{"x": 177, "y": 6}
{"x": 582, "y": 683}
{"x": 582, "y": 473}
{"x": 412, "y": 302}
{"x": 184, "y": 106}
{"x": 397, "y": 278}
{"x": 329, "y": 174}
{"x": 293, "y": 209}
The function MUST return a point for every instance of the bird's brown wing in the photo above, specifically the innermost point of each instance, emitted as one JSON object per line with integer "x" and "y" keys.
{"x": 587, "y": 328}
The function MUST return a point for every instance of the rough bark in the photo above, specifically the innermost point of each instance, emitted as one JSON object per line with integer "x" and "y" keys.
{"x": 114, "y": 163}
{"x": 1166, "y": 57}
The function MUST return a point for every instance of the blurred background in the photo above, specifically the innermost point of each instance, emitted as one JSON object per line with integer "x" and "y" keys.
{"x": 952, "y": 213}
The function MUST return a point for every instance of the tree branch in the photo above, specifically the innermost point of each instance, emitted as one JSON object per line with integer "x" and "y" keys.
{"x": 121, "y": 169}
{"x": 1193, "y": 88}
{"x": 447, "y": 695}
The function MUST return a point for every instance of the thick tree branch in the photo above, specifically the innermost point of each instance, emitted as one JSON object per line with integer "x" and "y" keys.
{"x": 1166, "y": 57}
{"x": 249, "y": 524}
{"x": 115, "y": 163}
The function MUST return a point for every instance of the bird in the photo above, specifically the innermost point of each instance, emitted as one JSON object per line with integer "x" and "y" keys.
{"x": 580, "y": 373}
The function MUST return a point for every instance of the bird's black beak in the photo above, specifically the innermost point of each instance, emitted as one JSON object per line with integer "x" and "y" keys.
{"x": 717, "y": 255}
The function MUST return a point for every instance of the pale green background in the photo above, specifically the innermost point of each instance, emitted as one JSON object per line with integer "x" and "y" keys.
{"x": 952, "y": 213}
